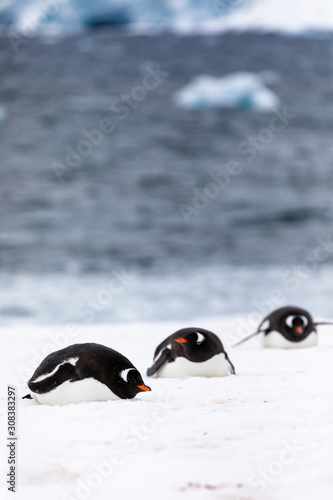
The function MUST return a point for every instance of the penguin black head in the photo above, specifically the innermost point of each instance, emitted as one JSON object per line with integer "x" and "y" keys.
{"x": 294, "y": 323}
{"x": 128, "y": 383}
{"x": 196, "y": 345}
{"x": 193, "y": 343}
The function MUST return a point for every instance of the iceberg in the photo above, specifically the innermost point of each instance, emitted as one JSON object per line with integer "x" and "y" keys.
{"x": 239, "y": 90}
{"x": 180, "y": 16}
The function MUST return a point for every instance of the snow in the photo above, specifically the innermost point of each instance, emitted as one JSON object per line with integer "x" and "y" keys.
{"x": 298, "y": 16}
{"x": 237, "y": 90}
{"x": 191, "y": 438}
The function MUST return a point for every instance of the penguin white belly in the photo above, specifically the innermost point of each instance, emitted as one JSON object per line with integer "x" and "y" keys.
{"x": 275, "y": 339}
{"x": 88, "y": 389}
{"x": 217, "y": 366}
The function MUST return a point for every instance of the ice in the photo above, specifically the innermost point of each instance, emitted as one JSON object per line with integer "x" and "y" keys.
{"x": 31, "y": 17}
{"x": 240, "y": 90}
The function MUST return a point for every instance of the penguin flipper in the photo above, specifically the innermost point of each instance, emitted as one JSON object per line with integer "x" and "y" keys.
{"x": 28, "y": 396}
{"x": 248, "y": 338}
{"x": 65, "y": 372}
{"x": 166, "y": 356}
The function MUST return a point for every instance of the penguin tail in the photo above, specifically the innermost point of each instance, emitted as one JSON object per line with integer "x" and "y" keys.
{"x": 232, "y": 368}
{"x": 247, "y": 338}
{"x": 28, "y": 396}
{"x": 165, "y": 357}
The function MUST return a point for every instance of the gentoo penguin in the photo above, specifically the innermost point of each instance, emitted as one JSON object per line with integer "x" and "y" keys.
{"x": 288, "y": 327}
{"x": 85, "y": 372}
{"x": 191, "y": 352}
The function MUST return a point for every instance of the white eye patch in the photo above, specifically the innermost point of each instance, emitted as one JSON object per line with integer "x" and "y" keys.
{"x": 200, "y": 338}
{"x": 124, "y": 374}
{"x": 265, "y": 325}
{"x": 305, "y": 320}
{"x": 290, "y": 319}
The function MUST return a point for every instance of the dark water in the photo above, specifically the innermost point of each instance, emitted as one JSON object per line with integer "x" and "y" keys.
{"x": 119, "y": 207}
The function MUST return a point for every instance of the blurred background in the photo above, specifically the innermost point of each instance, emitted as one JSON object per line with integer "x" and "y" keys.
{"x": 164, "y": 159}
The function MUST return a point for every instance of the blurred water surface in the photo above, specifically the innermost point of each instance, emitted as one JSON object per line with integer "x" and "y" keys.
{"x": 119, "y": 208}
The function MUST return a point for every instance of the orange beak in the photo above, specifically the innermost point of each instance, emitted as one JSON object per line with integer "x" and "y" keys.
{"x": 299, "y": 329}
{"x": 181, "y": 341}
{"x": 144, "y": 388}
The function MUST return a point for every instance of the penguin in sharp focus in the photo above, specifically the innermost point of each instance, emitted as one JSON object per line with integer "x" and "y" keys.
{"x": 191, "y": 352}
{"x": 287, "y": 327}
{"x": 85, "y": 372}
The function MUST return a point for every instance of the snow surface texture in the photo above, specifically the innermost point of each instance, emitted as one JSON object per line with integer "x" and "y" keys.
{"x": 184, "y": 16}
{"x": 264, "y": 434}
{"x": 238, "y": 90}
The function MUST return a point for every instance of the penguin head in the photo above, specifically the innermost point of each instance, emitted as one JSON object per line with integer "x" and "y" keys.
{"x": 128, "y": 382}
{"x": 294, "y": 323}
{"x": 194, "y": 343}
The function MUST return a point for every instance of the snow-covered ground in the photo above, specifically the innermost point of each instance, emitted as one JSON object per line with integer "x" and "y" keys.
{"x": 264, "y": 434}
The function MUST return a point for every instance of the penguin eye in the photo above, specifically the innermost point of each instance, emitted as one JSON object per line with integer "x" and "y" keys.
{"x": 305, "y": 320}
{"x": 124, "y": 374}
{"x": 200, "y": 338}
{"x": 293, "y": 320}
